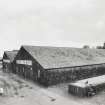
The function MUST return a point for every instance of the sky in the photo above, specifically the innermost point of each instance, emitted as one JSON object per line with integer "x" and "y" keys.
{"x": 71, "y": 23}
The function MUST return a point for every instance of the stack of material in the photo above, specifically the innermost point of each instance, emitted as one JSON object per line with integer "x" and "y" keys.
{"x": 84, "y": 87}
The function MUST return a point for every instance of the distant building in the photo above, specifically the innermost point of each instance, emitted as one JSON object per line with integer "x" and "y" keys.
{"x": 0, "y": 62}
{"x": 53, "y": 65}
{"x": 7, "y": 60}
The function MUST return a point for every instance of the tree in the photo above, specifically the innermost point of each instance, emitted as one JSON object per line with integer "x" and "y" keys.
{"x": 86, "y": 47}
{"x": 99, "y": 47}
{"x": 104, "y": 45}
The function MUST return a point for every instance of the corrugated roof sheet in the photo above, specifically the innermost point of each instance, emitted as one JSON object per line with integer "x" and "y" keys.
{"x": 11, "y": 54}
{"x": 57, "y": 57}
{"x": 93, "y": 81}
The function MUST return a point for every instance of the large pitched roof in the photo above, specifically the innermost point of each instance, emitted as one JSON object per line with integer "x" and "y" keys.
{"x": 56, "y": 57}
{"x": 11, "y": 54}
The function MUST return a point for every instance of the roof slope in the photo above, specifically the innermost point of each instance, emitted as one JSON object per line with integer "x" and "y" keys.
{"x": 56, "y": 57}
{"x": 94, "y": 81}
{"x": 11, "y": 54}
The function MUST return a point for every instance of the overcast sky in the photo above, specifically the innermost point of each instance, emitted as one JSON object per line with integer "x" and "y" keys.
{"x": 51, "y": 22}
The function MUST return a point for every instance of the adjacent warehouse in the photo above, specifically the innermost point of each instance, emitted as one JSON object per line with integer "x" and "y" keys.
{"x": 53, "y": 65}
{"x": 7, "y": 60}
{"x": 0, "y": 62}
{"x": 87, "y": 87}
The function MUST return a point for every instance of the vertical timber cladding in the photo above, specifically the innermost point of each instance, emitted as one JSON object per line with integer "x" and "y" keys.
{"x": 7, "y": 65}
{"x": 69, "y": 74}
{"x": 26, "y": 66}
{"x": 8, "y": 60}
{"x": 87, "y": 86}
{"x": 77, "y": 91}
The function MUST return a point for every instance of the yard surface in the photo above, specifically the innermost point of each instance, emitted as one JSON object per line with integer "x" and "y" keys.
{"x": 18, "y": 91}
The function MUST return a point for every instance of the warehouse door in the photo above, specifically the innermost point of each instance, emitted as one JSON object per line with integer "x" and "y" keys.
{"x": 27, "y": 72}
{"x": 38, "y": 74}
{"x": 23, "y": 71}
{"x": 7, "y": 67}
{"x": 31, "y": 73}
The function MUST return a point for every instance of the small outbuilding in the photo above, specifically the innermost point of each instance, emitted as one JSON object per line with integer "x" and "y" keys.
{"x": 87, "y": 87}
{"x": 7, "y": 61}
{"x": 53, "y": 65}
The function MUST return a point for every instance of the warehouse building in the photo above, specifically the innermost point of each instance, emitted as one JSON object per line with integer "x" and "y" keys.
{"x": 7, "y": 61}
{"x": 53, "y": 65}
{"x": 87, "y": 87}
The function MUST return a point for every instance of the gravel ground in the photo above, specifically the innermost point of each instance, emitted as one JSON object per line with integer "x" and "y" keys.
{"x": 24, "y": 92}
